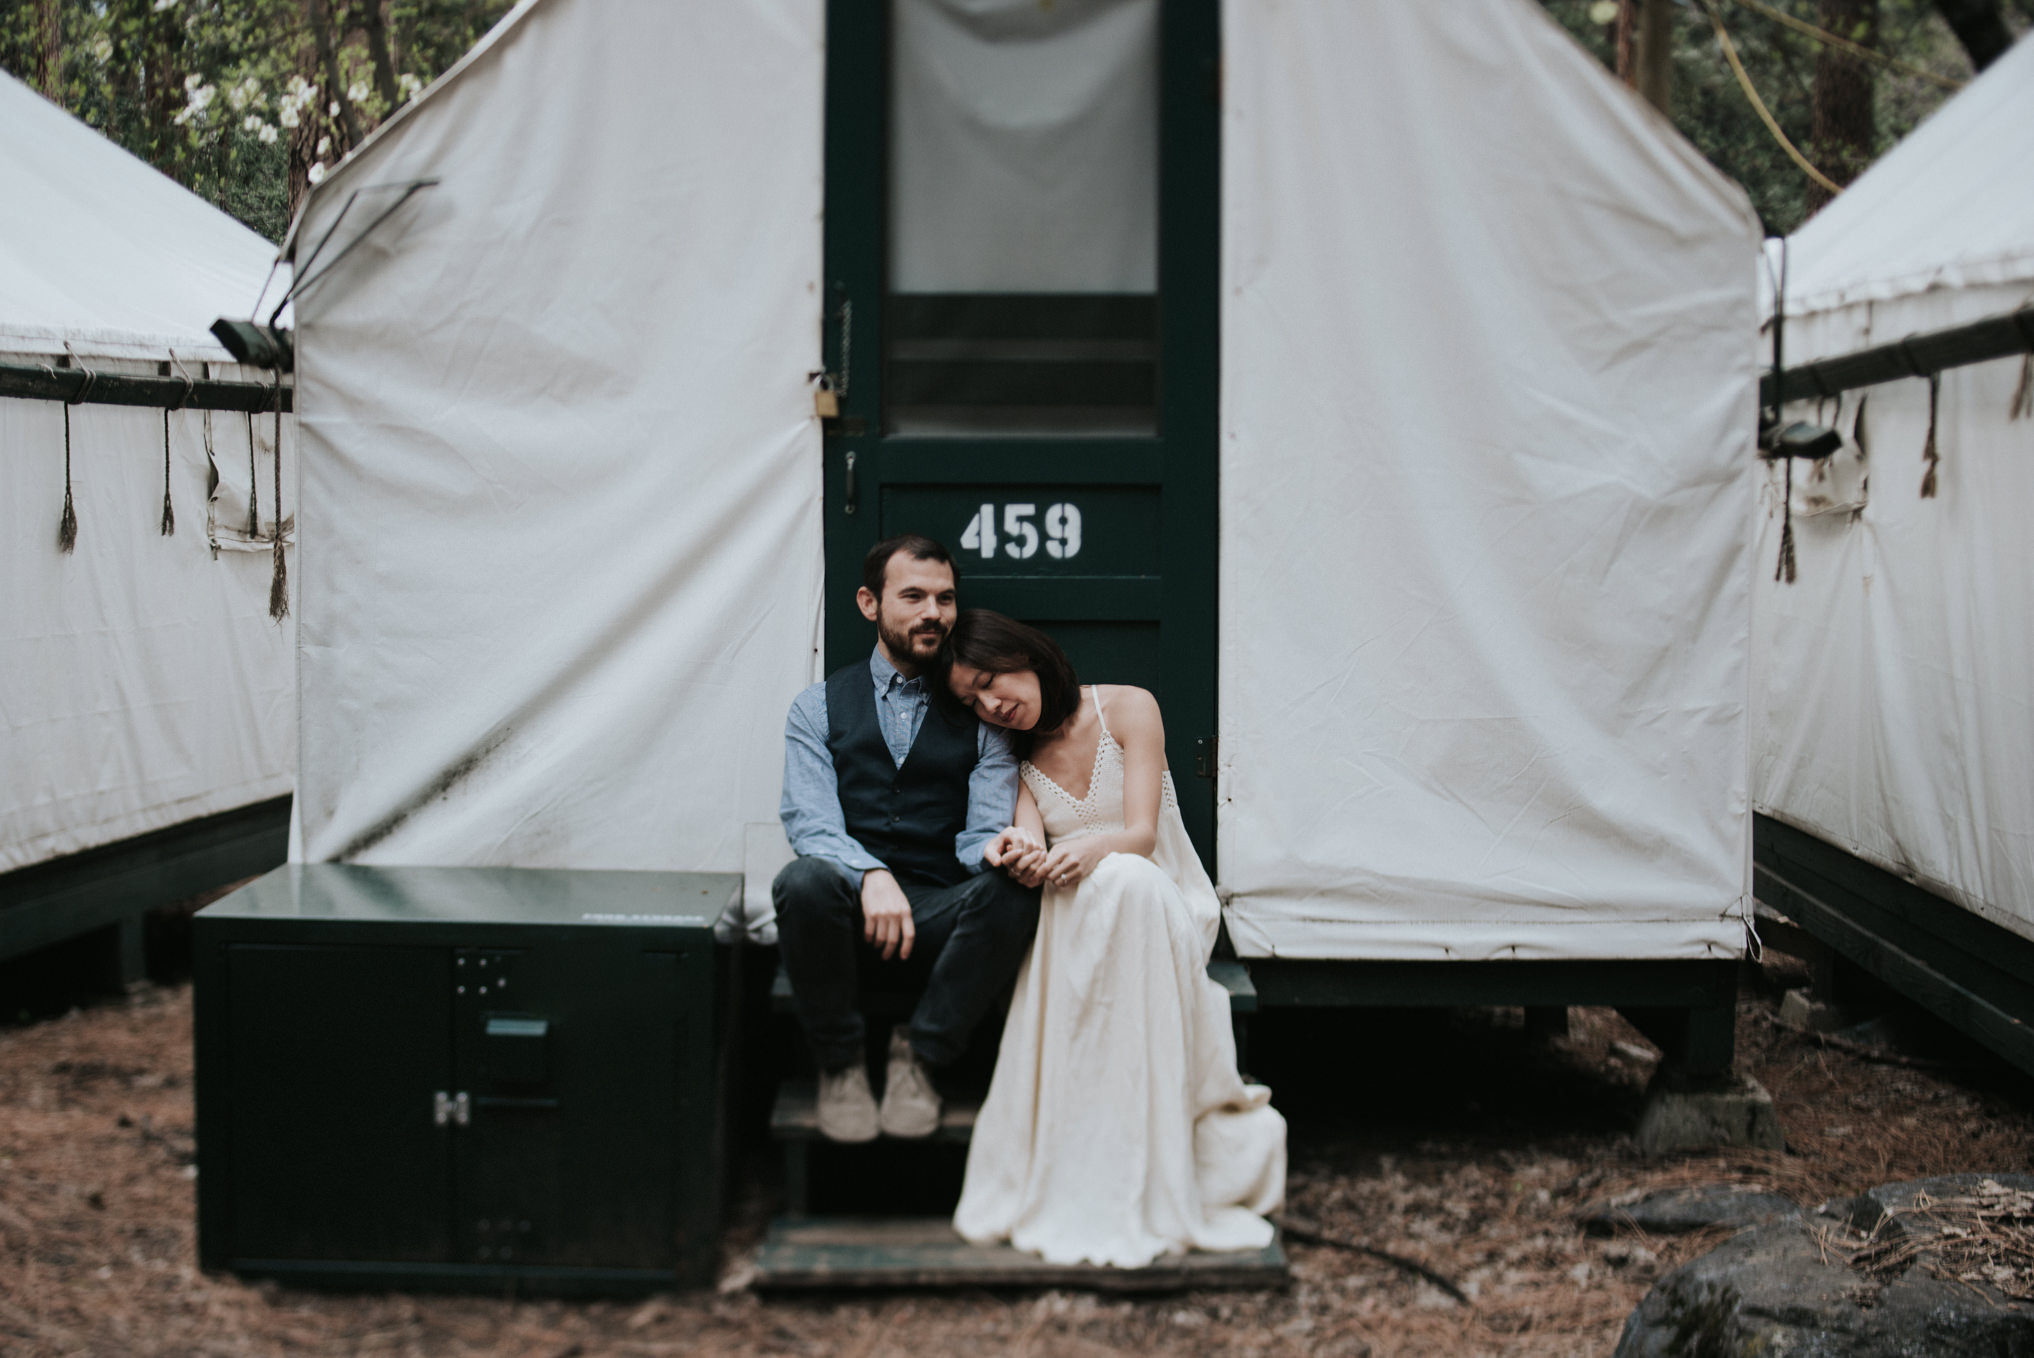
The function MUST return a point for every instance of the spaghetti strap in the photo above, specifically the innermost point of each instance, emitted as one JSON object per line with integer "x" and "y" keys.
{"x": 1096, "y": 689}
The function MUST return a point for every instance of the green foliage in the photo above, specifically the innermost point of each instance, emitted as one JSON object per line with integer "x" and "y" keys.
{"x": 232, "y": 97}
{"x": 1710, "y": 109}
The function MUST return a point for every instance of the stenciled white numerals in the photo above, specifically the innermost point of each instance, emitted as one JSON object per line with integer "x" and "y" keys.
{"x": 981, "y": 533}
{"x": 1063, "y": 530}
{"x": 1020, "y": 538}
{"x": 1023, "y": 534}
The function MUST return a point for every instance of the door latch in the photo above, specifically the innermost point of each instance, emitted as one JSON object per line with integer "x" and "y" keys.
{"x": 451, "y": 1108}
{"x": 1204, "y": 757}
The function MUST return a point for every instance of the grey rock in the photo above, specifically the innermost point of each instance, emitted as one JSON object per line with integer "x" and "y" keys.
{"x": 1677, "y": 1211}
{"x": 1775, "y": 1289}
{"x": 1734, "y": 1111}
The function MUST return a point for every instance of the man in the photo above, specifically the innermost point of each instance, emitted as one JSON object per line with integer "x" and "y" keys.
{"x": 889, "y": 802}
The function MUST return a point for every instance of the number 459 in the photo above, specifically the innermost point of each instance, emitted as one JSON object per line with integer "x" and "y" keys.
{"x": 1062, "y": 531}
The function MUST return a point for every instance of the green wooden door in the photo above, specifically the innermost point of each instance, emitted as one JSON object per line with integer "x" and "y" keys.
{"x": 1024, "y": 329}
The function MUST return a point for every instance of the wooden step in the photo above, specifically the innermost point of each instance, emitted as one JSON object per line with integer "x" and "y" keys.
{"x": 795, "y": 1115}
{"x": 860, "y": 1252}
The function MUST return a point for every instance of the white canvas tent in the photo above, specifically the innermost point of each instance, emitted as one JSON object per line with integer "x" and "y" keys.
{"x": 1892, "y": 716}
{"x": 1488, "y": 370}
{"x": 142, "y": 682}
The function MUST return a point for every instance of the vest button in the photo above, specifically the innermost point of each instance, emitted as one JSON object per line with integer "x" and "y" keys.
{"x": 895, "y": 787}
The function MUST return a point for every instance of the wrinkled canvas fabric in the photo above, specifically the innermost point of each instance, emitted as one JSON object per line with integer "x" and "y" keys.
{"x": 1890, "y": 695}
{"x": 1488, "y": 405}
{"x": 142, "y": 682}
{"x": 561, "y": 536}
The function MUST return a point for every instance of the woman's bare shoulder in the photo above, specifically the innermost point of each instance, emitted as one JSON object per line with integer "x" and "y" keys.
{"x": 1128, "y": 704}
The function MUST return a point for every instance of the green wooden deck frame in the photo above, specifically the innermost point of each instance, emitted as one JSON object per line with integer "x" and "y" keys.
{"x": 1973, "y": 974}
{"x": 112, "y": 887}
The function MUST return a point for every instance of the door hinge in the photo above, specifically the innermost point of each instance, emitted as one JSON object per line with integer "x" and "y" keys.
{"x": 451, "y": 1108}
{"x": 1204, "y": 757}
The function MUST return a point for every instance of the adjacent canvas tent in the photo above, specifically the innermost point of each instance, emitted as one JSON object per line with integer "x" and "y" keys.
{"x": 1892, "y": 709}
{"x": 1486, "y": 376}
{"x": 143, "y": 684}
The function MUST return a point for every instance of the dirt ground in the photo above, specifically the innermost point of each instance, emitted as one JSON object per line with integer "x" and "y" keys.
{"x": 1457, "y": 1140}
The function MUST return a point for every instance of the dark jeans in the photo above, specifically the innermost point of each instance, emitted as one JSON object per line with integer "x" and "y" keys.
{"x": 971, "y": 938}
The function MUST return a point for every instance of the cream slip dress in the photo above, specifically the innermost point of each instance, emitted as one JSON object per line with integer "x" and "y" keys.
{"x": 1116, "y": 1127}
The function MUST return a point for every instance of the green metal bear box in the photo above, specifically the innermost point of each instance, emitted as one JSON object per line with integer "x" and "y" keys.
{"x": 472, "y": 1078}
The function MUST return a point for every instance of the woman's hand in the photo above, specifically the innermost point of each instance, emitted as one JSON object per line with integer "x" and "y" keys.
{"x": 1018, "y": 852}
{"x": 1068, "y": 864}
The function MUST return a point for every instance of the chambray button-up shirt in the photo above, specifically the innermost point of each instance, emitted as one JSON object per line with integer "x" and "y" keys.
{"x": 811, "y": 810}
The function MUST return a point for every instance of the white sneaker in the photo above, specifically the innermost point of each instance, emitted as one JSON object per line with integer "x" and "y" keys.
{"x": 847, "y": 1110}
{"x": 910, "y": 1103}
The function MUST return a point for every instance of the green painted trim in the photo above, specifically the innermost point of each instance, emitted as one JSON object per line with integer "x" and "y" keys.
{"x": 1967, "y": 971}
{"x": 1190, "y": 373}
{"x": 1074, "y": 462}
{"x": 1291, "y": 983}
{"x": 50, "y": 902}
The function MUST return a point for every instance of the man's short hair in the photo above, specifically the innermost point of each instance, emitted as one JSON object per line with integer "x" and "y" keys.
{"x": 876, "y": 565}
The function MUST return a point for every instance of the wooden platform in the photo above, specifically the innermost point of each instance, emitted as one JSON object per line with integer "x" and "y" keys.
{"x": 850, "y": 1252}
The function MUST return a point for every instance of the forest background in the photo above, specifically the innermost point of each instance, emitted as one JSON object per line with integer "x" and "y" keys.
{"x": 248, "y": 102}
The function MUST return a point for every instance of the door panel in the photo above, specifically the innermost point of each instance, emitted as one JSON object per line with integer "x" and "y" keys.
{"x": 565, "y": 1163}
{"x": 338, "y": 1055}
{"x": 1056, "y": 428}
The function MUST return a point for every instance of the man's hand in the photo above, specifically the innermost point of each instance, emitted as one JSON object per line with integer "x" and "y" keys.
{"x": 1018, "y": 853}
{"x": 886, "y": 914}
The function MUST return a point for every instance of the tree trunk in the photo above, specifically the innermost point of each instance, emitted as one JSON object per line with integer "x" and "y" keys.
{"x": 320, "y": 12}
{"x": 1845, "y": 138}
{"x": 1979, "y": 26}
{"x": 49, "y": 50}
{"x": 370, "y": 16}
{"x": 1656, "y": 54}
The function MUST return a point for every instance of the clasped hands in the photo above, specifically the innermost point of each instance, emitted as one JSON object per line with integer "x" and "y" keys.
{"x": 1018, "y": 852}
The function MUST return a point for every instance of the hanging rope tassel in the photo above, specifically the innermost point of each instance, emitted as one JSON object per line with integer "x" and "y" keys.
{"x": 279, "y": 584}
{"x": 1928, "y": 450}
{"x": 1784, "y": 568}
{"x": 169, "y": 510}
{"x": 67, "y": 525}
{"x": 2023, "y": 395}
{"x": 253, "y": 486}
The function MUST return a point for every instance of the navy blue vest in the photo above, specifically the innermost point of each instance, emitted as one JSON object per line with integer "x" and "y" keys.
{"x": 907, "y": 815}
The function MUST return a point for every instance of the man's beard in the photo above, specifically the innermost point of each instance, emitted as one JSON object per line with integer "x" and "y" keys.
{"x": 900, "y": 643}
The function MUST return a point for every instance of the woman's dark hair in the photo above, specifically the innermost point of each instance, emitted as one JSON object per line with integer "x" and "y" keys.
{"x": 985, "y": 640}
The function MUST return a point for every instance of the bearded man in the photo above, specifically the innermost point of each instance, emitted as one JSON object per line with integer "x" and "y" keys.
{"x": 889, "y": 801}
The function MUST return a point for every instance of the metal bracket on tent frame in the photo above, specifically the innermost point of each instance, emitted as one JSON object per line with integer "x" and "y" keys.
{"x": 35, "y": 382}
{"x": 1921, "y": 355}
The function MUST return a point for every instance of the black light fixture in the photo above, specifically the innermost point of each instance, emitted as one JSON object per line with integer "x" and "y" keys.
{"x": 260, "y": 346}
{"x": 1801, "y": 439}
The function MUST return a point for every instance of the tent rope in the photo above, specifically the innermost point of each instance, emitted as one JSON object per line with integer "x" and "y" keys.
{"x": 1856, "y": 49}
{"x": 1930, "y": 454}
{"x": 67, "y": 523}
{"x": 279, "y": 584}
{"x": 253, "y": 485}
{"x": 1783, "y": 569}
{"x": 169, "y": 510}
{"x": 1759, "y": 105}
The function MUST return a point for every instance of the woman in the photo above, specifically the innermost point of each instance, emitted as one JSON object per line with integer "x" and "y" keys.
{"x": 1116, "y": 1128}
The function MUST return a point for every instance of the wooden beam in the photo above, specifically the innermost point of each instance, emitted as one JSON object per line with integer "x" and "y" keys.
{"x": 34, "y": 382}
{"x": 1916, "y": 356}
